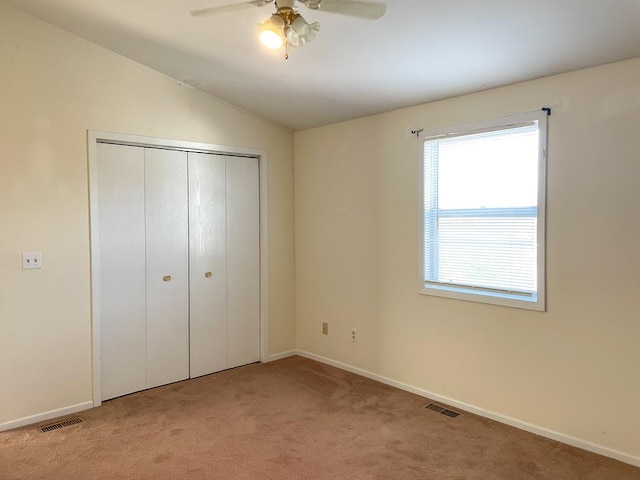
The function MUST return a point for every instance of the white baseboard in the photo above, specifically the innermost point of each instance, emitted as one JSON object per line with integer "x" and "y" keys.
{"x": 41, "y": 417}
{"x": 281, "y": 355}
{"x": 543, "y": 432}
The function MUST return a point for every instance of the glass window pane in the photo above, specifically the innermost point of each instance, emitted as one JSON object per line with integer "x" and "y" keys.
{"x": 481, "y": 211}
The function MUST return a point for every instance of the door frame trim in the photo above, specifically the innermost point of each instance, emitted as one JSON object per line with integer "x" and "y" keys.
{"x": 93, "y": 138}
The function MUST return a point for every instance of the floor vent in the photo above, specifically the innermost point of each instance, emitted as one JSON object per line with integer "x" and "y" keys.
{"x": 64, "y": 423}
{"x": 440, "y": 409}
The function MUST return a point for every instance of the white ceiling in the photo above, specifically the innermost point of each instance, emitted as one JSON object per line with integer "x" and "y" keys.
{"x": 419, "y": 51}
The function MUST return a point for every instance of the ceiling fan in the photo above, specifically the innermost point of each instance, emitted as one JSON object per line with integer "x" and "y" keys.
{"x": 287, "y": 27}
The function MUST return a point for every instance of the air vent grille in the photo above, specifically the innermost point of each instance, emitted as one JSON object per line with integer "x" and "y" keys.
{"x": 58, "y": 425}
{"x": 440, "y": 409}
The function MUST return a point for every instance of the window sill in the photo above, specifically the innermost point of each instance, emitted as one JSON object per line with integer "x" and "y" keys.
{"x": 537, "y": 303}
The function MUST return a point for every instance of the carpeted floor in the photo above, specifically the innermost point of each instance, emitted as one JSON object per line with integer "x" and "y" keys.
{"x": 290, "y": 419}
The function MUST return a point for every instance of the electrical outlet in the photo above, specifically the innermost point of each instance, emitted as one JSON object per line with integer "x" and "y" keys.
{"x": 354, "y": 335}
{"x": 31, "y": 260}
{"x": 325, "y": 328}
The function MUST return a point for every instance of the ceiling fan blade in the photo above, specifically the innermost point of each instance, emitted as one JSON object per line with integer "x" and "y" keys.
{"x": 202, "y": 12}
{"x": 352, "y": 8}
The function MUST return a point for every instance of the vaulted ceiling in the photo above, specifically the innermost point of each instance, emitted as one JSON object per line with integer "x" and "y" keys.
{"x": 419, "y": 51}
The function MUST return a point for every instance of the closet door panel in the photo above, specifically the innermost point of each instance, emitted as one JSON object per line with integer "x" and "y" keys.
{"x": 208, "y": 264}
{"x": 167, "y": 258}
{"x": 243, "y": 261}
{"x": 121, "y": 287}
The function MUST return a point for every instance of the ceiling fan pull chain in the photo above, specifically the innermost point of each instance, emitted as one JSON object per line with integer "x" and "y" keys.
{"x": 286, "y": 50}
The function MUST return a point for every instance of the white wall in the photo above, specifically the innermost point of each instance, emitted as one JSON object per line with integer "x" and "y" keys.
{"x": 55, "y": 87}
{"x": 574, "y": 369}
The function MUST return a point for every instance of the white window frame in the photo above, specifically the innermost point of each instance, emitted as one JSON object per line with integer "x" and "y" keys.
{"x": 478, "y": 294}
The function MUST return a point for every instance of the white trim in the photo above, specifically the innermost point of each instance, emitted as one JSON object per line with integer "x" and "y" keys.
{"x": 264, "y": 259}
{"x": 156, "y": 142}
{"x": 421, "y": 249}
{"x": 94, "y": 248}
{"x": 280, "y": 356}
{"x": 528, "y": 427}
{"x": 543, "y": 132}
{"x": 479, "y": 296}
{"x": 41, "y": 417}
{"x": 93, "y": 137}
{"x": 483, "y": 125}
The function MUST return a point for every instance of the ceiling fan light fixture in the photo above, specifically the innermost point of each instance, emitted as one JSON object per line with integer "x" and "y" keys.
{"x": 300, "y": 32}
{"x": 271, "y": 39}
{"x": 271, "y": 32}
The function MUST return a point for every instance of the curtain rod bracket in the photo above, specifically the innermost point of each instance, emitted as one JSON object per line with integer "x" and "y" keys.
{"x": 417, "y": 132}
{"x": 548, "y": 110}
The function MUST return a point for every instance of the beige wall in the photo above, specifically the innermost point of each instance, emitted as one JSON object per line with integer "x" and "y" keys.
{"x": 54, "y": 87}
{"x": 572, "y": 370}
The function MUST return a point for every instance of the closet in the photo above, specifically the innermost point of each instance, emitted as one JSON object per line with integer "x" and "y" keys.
{"x": 179, "y": 264}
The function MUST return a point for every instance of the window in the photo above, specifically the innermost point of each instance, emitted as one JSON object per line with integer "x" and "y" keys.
{"x": 483, "y": 211}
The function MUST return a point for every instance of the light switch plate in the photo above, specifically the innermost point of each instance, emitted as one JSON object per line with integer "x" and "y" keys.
{"x": 31, "y": 260}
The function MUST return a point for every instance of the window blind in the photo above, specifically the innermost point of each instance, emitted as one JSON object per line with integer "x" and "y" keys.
{"x": 480, "y": 210}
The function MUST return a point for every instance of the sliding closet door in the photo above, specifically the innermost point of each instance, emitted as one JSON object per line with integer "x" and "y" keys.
{"x": 121, "y": 246}
{"x": 208, "y": 263}
{"x": 167, "y": 259}
{"x": 243, "y": 261}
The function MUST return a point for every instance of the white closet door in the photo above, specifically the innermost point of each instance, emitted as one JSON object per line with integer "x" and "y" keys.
{"x": 208, "y": 264}
{"x": 121, "y": 246}
{"x": 243, "y": 261}
{"x": 167, "y": 258}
